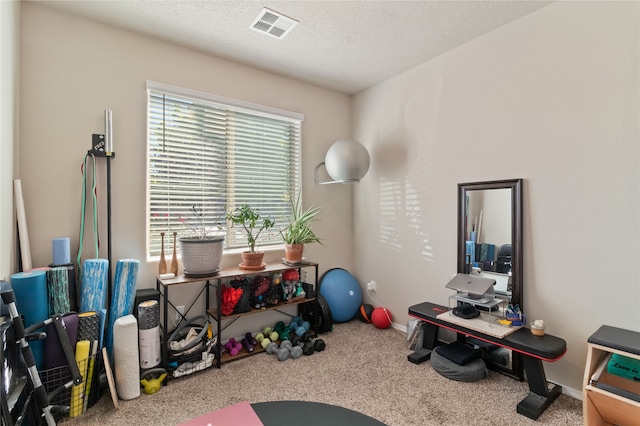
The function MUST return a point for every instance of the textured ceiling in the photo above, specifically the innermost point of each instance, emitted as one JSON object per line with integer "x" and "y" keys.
{"x": 347, "y": 46}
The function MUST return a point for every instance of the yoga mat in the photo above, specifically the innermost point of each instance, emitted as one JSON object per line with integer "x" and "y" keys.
{"x": 93, "y": 292}
{"x": 54, "y": 355}
{"x": 125, "y": 355}
{"x": 236, "y": 414}
{"x": 60, "y": 248}
{"x": 58, "y": 285}
{"x": 102, "y": 313}
{"x": 77, "y": 392}
{"x": 71, "y": 285}
{"x": 25, "y": 248}
{"x": 30, "y": 289}
{"x": 487, "y": 252}
{"x": 149, "y": 333}
{"x": 92, "y": 362}
{"x": 124, "y": 293}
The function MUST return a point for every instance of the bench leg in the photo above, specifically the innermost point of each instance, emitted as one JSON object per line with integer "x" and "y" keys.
{"x": 429, "y": 340}
{"x": 429, "y": 335}
{"x": 540, "y": 394}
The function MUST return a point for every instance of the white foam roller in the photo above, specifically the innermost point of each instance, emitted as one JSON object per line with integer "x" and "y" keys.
{"x": 125, "y": 357}
{"x": 149, "y": 333}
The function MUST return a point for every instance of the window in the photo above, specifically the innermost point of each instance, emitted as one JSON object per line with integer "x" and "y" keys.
{"x": 217, "y": 154}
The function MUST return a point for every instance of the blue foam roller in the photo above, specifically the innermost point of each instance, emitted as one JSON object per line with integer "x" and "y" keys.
{"x": 343, "y": 294}
{"x": 30, "y": 289}
{"x": 124, "y": 292}
{"x": 93, "y": 291}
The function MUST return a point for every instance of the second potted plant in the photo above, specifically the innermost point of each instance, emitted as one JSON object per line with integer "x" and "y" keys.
{"x": 253, "y": 224}
{"x": 299, "y": 232}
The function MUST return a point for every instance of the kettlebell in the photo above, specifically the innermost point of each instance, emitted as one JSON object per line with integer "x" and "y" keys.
{"x": 153, "y": 385}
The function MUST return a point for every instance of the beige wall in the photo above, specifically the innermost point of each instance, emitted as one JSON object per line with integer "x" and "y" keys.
{"x": 9, "y": 101}
{"x": 551, "y": 98}
{"x": 73, "y": 69}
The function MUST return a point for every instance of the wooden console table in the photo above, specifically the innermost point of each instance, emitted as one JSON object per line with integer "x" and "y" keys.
{"x": 534, "y": 350}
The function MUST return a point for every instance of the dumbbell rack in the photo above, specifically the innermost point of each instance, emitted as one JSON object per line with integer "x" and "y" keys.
{"x": 229, "y": 273}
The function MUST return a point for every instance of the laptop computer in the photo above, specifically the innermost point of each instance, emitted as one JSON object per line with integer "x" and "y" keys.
{"x": 474, "y": 287}
{"x": 502, "y": 282}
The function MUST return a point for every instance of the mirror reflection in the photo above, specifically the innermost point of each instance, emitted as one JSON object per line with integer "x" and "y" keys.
{"x": 488, "y": 236}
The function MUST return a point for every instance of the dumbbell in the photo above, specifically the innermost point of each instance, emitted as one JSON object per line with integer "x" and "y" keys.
{"x": 281, "y": 353}
{"x": 264, "y": 341}
{"x": 271, "y": 334}
{"x": 286, "y": 333}
{"x": 319, "y": 345}
{"x": 283, "y": 331}
{"x": 295, "y": 323}
{"x": 233, "y": 347}
{"x": 249, "y": 342}
{"x": 310, "y": 347}
{"x": 296, "y": 340}
{"x": 294, "y": 351}
{"x": 299, "y": 326}
{"x": 302, "y": 328}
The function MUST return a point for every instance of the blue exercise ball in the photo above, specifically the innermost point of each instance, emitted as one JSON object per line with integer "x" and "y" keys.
{"x": 343, "y": 294}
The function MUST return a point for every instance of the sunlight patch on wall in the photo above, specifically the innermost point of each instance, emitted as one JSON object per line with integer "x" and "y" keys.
{"x": 403, "y": 163}
{"x": 401, "y": 219}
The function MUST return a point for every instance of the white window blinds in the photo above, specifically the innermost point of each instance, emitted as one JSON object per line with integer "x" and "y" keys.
{"x": 215, "y": 156}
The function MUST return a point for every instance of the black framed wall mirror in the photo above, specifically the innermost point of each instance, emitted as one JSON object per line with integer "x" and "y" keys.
{"x": 490, "y": 242}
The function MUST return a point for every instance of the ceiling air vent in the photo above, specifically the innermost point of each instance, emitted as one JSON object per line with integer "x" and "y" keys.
{"x": 273, "y": 23}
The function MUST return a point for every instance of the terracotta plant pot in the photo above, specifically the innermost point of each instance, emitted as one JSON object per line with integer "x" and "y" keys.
{"x": 252, "y": 260}
{"x": 293, "y": 252}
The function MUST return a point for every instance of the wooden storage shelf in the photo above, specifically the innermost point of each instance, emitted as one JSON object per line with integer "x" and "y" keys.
{"x": 609, "y": 399}
{"x": 216, "y": 282}
{"x": 295, "y": 301}
{"x": 226, "y": 357}
{"x": 227, "y": 274}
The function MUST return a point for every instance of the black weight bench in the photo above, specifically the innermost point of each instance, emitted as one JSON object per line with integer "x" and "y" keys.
{"x": 534, "y": 350}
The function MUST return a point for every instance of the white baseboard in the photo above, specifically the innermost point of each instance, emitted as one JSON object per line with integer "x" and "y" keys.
{"x": 574, "y": 393}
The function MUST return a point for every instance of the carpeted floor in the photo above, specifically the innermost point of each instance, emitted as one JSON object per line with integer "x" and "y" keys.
{"x": 362, "y": 368}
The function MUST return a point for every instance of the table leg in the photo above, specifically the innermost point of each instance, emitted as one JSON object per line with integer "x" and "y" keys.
{"x": 165, "y": 331}
{"x": 540, "y": 394}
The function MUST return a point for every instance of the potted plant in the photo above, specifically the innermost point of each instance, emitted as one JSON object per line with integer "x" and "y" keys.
{"x": 253, "y": 224}
{"x": 298, "y": 232}
{"x": 201, "y": 248}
